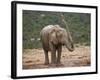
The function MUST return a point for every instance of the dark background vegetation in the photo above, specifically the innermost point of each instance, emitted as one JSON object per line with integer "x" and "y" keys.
{"x": 34, "y": 21}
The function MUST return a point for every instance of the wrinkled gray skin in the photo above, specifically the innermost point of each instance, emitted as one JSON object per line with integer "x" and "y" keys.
{"x": 53, "y": 37}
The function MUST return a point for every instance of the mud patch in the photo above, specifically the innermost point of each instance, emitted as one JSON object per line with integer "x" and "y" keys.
{"x": 34, "y": 58}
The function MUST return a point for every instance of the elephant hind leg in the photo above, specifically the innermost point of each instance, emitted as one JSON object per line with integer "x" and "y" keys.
{"x": 59, "y": 50}
{"x": 53, "y": 57}
{"x": 46, "y": 57}
{"x": 58, "y": 63}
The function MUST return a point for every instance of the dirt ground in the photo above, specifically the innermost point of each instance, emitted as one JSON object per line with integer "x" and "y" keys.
{"x": 34, "y": 58}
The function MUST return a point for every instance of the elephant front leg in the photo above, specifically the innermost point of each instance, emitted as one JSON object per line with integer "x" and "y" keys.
{"x": 53, "y": 57}
{"x": 59, "y": 50}
{"x": 46, "y": 58}
{"x": 53, "y": 54}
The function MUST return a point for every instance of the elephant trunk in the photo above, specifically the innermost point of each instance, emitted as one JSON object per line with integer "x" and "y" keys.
{"x": 69, "y": 44}
{"x": 71, "y": 48}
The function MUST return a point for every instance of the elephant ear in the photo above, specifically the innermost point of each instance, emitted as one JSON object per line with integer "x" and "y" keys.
{"x": 53, "y": 37}
{"x": 59, "y": 35}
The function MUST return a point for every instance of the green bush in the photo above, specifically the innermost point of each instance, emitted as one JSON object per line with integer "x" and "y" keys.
{"x": 34, "y": 21}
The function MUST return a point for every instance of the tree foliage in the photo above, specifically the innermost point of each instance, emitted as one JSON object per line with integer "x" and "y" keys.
{"x": 34, "y": 21}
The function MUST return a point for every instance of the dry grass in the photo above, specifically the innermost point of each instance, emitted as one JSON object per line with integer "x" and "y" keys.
{"x": 34, "y": 58}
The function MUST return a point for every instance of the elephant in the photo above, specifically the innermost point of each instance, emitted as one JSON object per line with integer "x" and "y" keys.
{"x": 53, "y": 37}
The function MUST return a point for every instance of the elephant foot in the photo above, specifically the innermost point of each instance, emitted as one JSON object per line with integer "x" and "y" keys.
{"x": 53, "y": 65}
{"x": 59, "y": 65}
{"x": 46, "y": 63}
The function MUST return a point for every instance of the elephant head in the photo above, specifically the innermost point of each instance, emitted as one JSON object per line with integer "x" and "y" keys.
{"x": 59, "y": 36}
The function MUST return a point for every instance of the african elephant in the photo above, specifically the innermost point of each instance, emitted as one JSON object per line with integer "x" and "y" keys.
{"x": 53, "y": 37}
